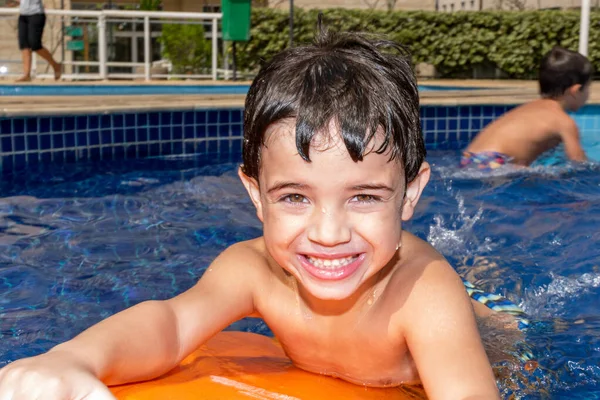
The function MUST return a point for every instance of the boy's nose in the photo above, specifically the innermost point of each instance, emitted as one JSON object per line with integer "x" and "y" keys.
{"x": 329, "y": 228}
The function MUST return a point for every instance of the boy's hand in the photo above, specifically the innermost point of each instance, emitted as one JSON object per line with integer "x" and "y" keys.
{"x": 51, "y": 376}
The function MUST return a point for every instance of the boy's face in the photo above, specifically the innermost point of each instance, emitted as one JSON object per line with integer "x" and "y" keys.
{"x": 332, "y": 222}
{"x": 579, "y": 95}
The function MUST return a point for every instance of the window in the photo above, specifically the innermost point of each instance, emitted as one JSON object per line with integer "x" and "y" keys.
{"x": 451, "y": 6}
{"x": 462, "y": 5}
{"x": 472, "y": 4}
{"x": 444, "y": 7}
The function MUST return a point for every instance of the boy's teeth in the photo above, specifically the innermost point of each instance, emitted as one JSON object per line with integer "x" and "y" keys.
{"x": 330, "y": 263}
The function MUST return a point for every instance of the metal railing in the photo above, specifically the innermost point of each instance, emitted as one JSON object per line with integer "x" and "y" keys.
{"x": 102, "y": 17}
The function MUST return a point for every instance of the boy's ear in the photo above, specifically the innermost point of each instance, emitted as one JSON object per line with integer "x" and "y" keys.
{"x": 414, "y": 190}
{"x": 574, "y": 89}
{"x": 252, "y": 187}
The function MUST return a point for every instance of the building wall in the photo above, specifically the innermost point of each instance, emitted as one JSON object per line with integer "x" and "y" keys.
{"x": 360, "y": 4}
{"x": 474, "y": 5}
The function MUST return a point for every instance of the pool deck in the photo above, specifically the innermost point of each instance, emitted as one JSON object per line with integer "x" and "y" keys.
{"x": 495, "y": 92}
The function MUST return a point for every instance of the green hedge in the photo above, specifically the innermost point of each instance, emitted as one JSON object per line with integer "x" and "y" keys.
{"x": 455, "y": 43}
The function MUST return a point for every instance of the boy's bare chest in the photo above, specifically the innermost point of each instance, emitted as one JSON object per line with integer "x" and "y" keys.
{"x": 362, "y": 351}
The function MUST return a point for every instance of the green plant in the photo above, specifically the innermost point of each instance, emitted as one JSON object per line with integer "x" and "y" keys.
{"x": 186, "y": 47}
{"x": 455, "y": 43}
{"x": 150, "y": 5}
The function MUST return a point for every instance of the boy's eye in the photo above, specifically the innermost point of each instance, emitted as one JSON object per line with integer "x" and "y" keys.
{"x": 366, "y": 198}
{"x": 294, "y": 198}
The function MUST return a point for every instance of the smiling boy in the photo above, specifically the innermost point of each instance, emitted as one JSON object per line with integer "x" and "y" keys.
{"x": 334, "y": 163}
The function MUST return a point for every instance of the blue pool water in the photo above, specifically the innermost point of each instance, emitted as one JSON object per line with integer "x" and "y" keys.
{"x": 79, "y": 243}
{"x": 123, "y": 90}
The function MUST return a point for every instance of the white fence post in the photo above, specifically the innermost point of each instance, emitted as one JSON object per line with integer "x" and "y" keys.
{"x": 584, "y": 29}
{"x": 214, "y": 49}
{"x": 102, "y": 54}
{"x": 147, "y": 50}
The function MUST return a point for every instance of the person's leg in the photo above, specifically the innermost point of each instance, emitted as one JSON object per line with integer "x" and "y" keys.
{"x": 45, "y": 54}
{"x": 36, "y": 32}
{"x": 25, "y": 48}
{"x": 26, "y": 57}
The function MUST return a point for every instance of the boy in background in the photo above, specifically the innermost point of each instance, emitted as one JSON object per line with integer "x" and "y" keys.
{"x": 524, "y": 133}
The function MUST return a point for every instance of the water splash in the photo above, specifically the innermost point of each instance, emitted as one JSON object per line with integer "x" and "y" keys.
{"x": 457, "y": 237}
{"x": 548, "y": 301}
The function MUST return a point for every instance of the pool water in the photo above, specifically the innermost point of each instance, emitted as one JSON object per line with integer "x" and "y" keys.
{"x": 124, "y": 90}
{"x": 79, "y": 243}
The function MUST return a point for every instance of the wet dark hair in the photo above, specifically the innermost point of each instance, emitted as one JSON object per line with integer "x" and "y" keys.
{"x": 561, "y": 69}
{"x": 361, "y": 82}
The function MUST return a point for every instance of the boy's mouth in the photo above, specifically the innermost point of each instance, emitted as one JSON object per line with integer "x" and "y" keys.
{"x": 331, "y": 268}
{"x": 329, "y": 263}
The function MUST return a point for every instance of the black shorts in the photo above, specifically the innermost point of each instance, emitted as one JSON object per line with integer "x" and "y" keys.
{"x": 31, "y": 29}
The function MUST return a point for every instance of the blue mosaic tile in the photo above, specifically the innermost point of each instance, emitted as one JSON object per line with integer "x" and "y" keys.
{"x": 6, "y": 145}
{"x": 177, "y": 132}
{"x": 32, "y": 159}
{"x": 154, "y": 149}
{"x": 20, "y": 161}
{"x": 57, "y": 124}
{"x": 45, "y": 142}
{"x": 142, "y": 120}
{"x": 31, "y": 125}
{"x": 69, "y": 124}
{"x": 18, "y": 126}
{"x": 70, "y": 139}
{"x": 57, "y": 141}
{"x": 70, "y": 156}
{"x": 200, "y": 117}
{"x": 142, "y": 134}
{"x": 118, "y": 121}
{"x": 118, "y": 136}
{"x": 82, "y": 138}
{"x": 188, "y": 118}
{"x": 177, "y": 118}
{"x": 105, "y": 121}
{"x": 94, "y": 138}
{"x": 32, "y": 142}
{"x": 5, "y": 126}
{"x": 94, "y": 154}
{"x": 119, "y": 152}
{"x": 67, "y": 138}
{"x": 81, "y": 123}
{"x": 19, "y": 143}
{"x": 93, "y": 122}
{"x": 130, "y": 136}
{"x": 213, "y": 116}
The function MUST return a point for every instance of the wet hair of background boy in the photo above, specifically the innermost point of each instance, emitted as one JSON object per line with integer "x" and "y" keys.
{"x": 361, "y": 82}
{"x": 561, "y": 69}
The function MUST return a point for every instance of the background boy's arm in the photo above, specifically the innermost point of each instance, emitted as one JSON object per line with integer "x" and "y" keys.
{"x": 443, "y": 338}
{"x": 151, "y": 338}
{"x": 572, "y": 141}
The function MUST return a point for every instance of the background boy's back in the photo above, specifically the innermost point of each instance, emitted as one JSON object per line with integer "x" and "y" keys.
{"x": 528, "y": 131}
{"x": 523, "y": 134}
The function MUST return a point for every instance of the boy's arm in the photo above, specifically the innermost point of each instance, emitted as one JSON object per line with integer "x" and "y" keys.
{"x": 151, "y": 338}
{"x": 572, "y": 141}
{"x": 443, "y": 338}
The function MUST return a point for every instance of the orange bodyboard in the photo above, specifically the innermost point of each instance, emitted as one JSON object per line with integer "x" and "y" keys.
{"x": 238, "y": 365}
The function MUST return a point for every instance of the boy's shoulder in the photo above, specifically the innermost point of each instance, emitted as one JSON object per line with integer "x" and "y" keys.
{"x": 250, "y": 252}
{"x": 424, "y": 275}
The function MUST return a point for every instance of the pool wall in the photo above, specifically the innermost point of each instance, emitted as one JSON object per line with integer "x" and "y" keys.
{"x": 31, "y": 140}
